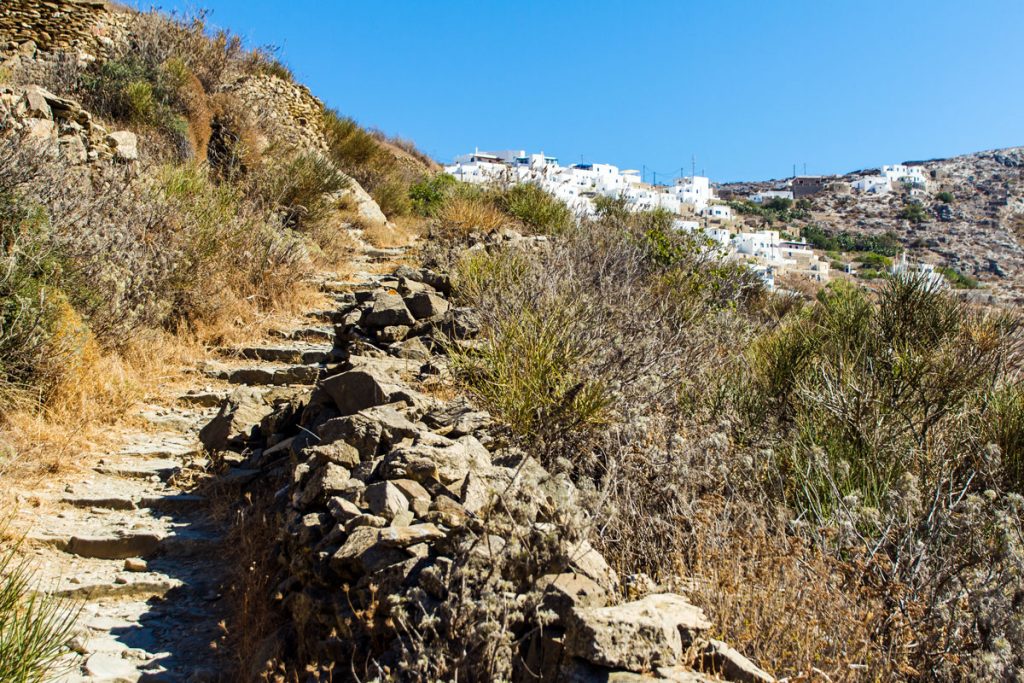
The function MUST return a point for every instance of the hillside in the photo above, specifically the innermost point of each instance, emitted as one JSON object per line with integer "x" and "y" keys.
{"x": 281, "y": 402}
{"x": 976, "y": 232}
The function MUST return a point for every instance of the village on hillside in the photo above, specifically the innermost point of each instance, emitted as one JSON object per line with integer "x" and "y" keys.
{"x": 774, "y": 254}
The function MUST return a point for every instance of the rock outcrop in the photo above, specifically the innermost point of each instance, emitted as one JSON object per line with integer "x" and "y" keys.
{"x": 406, "y": 528}
{"x": 62, "y": 124}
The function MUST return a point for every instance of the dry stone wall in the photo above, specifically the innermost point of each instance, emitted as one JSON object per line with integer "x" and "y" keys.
{"x": 408, "y": 536}
{"x": 55, "y": 25}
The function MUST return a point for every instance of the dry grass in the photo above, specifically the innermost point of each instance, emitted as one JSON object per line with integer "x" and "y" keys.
{"x": 786, "y": 605}
{"x": 401, "y": 232}
{"x": 465, "y": 214}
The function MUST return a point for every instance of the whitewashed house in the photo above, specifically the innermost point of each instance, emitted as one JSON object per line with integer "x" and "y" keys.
{"x": 768, "y": 195}
{"x": 909, "y": 175}
{"x": 718, "y": 211}
{"x": 695, "y": 191}
{"x": 872, "y": 184}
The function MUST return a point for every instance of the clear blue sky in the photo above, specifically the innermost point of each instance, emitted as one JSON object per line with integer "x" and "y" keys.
{"x": 749, "y": 87}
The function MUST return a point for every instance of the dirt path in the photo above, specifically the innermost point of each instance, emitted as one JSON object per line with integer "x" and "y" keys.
{"x": 133, "y": 543}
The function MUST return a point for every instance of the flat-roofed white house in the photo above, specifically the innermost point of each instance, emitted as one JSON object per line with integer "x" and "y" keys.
{"x": 718, "y": 211}
{"x": 768, "y": 195}
{"x": 872, "y": 184}
{"x": 909, "y": 175}
{"x": 695, "y": 191}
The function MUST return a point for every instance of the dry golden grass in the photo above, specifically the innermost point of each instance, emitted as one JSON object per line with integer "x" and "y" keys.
{"x": 468, "y": 214}
{"x": 788, "y": 607}
{"x": 401, "y": 232}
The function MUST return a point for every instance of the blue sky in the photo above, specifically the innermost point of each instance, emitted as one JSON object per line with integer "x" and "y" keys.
{"x": 749, "y": 88}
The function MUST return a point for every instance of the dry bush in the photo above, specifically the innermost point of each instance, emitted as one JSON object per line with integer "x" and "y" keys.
{"x": 401, "y": 232}
{"x": 462, "y": 215}
{"x": 822, "y": 474}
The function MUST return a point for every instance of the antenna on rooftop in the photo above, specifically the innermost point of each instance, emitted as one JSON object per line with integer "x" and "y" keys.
{"x": 794, "y": 170}
{"x": 805, "y": 168}
{"x": 693, "y": 165}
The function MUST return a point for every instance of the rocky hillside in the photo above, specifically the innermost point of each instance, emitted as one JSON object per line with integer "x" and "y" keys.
{"x": 979, "y": 232}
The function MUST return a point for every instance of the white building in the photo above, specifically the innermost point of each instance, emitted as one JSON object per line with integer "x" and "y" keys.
{"x": 768, "y": 195}
{"x": 901, "y": 173}
{"x": 695, "y": 191}
{"x": 718, "y": 211}
{"x": 872, "y": 184}
{"x": 577, "y": 184}
{"x": 923, "y": 270}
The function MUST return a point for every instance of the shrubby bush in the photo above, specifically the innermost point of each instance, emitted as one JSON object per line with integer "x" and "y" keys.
{"x": 838, "y": 481}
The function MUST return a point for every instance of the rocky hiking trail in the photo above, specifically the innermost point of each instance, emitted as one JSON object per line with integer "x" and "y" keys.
{"x": 132, "y": 542}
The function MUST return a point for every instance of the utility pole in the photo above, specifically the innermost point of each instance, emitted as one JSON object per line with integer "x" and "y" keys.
{"x": 794, "y": 170}
{"x": 805, "y": 168}
{"x": 643, "y": 174}
{"x": 655, "y": 181}
{"x": 693, "y": 165}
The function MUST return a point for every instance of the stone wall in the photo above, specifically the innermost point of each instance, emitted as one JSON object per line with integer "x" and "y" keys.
{"x": 52, "y": 25}
{"x": 285, "y": 112}
{"x": 408, "y": 533}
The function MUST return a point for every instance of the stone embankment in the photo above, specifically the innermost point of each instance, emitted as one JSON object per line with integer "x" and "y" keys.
{"x": 391, "y": 501}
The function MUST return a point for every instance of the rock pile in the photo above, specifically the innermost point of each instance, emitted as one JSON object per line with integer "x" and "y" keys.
{"x": 39, "y": 115}
{"x": 407, "y": 532}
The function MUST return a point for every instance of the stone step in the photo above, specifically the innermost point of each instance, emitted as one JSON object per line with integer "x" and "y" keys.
{"x": 161, "y": 468}
{"x": 128, "y": 544}
{"x": 101, "y": 502}
{"x": 312, "y": 334}
{"x": 206, "y": 399}
{"x": 126, "y": 585}
{"x": 304, "y": 355}
{"x": 177, "y": 502}
{"x": 263, "y": 375}
{"x": 330, "y": 315}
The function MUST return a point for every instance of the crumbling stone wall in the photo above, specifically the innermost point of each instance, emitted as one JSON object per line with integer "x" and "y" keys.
{"x": 287, "y": 112}
{"x": 53, "y": 25}
{"x": 411, "y": 538}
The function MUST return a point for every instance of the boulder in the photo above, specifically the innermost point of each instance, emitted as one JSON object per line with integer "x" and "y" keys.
{"x": 425, "y": 305}
{"x": 565, "y": 591}
{"x": 242, "y": 410}
{"x": 125, "y": 144}
{"x": 36, "y": 105}
{"x": 719, "y": 658}
{"x": 387, "y": 309}
{"x": 359, "y": 431}
{"x": 636, "y": 636}
{"x": 363, "y": 553}
{"x": 385, "y": 499}
{"x": 448, "y": 465}
{"x": 360, "y": 389}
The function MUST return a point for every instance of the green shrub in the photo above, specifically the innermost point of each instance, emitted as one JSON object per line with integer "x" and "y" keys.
{"x": 365, "y": 157}
{"x": 874, "y": 261}
{"x": 887, "y": 244}
{"x": 528, "y": 372}
{"x": 428, "y": 196}
{"x": 915, "y": 213}
{"x": 945, "y": 197}
{"x": 537, "y": 209}
{"x": 34, "y": 628}
{"x": 302, "y": 186}
{"x": 957, "y": 279}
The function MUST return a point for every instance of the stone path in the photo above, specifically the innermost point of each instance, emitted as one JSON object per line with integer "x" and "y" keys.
{"x": 135, "y": 546}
